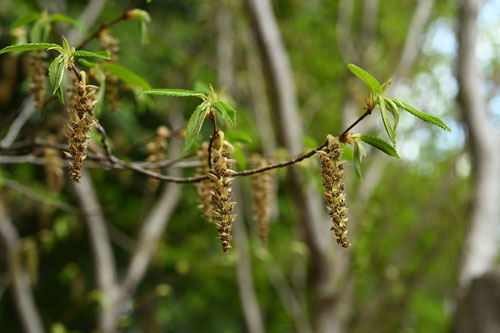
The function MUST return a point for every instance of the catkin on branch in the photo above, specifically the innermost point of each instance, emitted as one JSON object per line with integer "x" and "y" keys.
{"x": 204, "y": 187}
{"x": 263, "y": 191}
{"x": 37, "y": 70}
{"x": 220, "y": 175}
{"x": 53, "y": 169}
{"x": 332, "y": 175}
{"x": 157, "y": 149}
{"x": 81, "y": 120}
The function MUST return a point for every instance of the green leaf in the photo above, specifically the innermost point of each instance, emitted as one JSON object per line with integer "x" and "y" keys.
{"x": 366, "y": 77}
{"x": 357, "y": 161}
{"x": 422, "y": 115}
{"x": 67, "y": 19}
{"x": 87, "y": 54}
{"x": 237, "y": 136}
{"x": 380, "y": 144}
{"x": 60, "y": 95}
{"x": 385, "y": 119}
{"x": 347, "y": 152}
{"x": 40, "y": 30}
{"x": 194, "y": 125}
{"x": 56, "y": 72}
{"x": 126, "y": 75}
{"x": 102, "y": 91}
{"x": 395, "y": 112}
{"x": 226, "y": 112}
{"x": 87, "y": 63}
{"x": 28, "y": 47}
{"x": 143, "y": 26}
{"x": 174, "y": 93}
{"x": 239, "y": 156}
{"x": 25, "y": 20}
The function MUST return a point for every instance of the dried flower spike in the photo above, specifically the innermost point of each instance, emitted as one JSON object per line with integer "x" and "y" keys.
{"x": 157, "y": 149}
{"x": 205, "y": 187}
{"x": 53, "y": 169}
{"x": 81, "y": 120}
{"x": 111, "y": 44}
{"x": 220, "y": 175}
{"x": 263, "y": 190}
{"x": 37, "y": 70}
{"x": 332, "y": 175}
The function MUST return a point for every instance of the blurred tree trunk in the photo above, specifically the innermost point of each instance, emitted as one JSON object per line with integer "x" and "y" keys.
{"x": 481, "y": 247}
{"x": 312, "y": 216}
{"x": 19, "y": 277}
{"x": 482, "y": 242}
{"x": 225, "y": 75}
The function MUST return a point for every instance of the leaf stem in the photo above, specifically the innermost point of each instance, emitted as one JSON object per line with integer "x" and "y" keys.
{"x": 212, "y": 139}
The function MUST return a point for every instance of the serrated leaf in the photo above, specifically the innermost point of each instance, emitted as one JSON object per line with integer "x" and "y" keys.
{"x": 422, "y": 115}
{"x": 88, "y": 54}
{"x": 393, "y": 108}
{"x": 380, "y": 144}
{"x": 174, "y": 93}
{"x": 385, "y": 119}
{"x": 56, "y": 72}
{"x": 25, "y": 20}
{"x": 28, "y": 47}
{"x": 226, "y": 112}
{"x": 126, "y": 75}
{"x": 67, "y": 19}
{"x": 357, "y": 161}
{"x": 366, "y": 77}
{"x": 194, "y": 125}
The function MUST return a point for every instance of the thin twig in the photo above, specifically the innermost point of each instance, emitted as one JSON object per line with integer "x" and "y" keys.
{"x": 344, "y": 133}
{"x": 107, "y": 25}
{"x": 114, "y": 162}
{"x": 105, "y": 143}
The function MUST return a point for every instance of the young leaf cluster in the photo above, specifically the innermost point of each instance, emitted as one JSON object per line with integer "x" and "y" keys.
{"x": 211, "y": 106}
{"x": 386, "y": 105}
{"x": 61, "y": 62}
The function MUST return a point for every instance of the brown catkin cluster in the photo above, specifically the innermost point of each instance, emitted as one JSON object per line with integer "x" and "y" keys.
{"x": 205, "y": 187}
{"x": 112, "y": 45}
{"x": 156, "y": 150}
{"x": 332, "y": 174}
{"x": 263, "y": 191}
{"x": 37, "y": 70}
{"x": 220, "y": 175}
{"x": 53, "y": 169}
{"x": 81, "y": 120}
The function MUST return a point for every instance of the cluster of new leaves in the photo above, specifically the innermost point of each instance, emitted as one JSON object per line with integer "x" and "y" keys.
{"x": 61, "y": 63}
{"x": 211, "y": 106}
{"x": 385, "y": 104}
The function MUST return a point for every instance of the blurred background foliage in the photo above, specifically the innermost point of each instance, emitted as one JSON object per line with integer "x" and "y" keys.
{"x": 407, "y": 237}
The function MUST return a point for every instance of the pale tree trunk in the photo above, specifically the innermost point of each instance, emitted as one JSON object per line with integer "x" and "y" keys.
{"x": 22, "y": 293}
{"x": 479, "y": 290}
{"x": 481, "y": 245}
{"x": 117, "y": 293}
{"x": 312, "y": 217}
